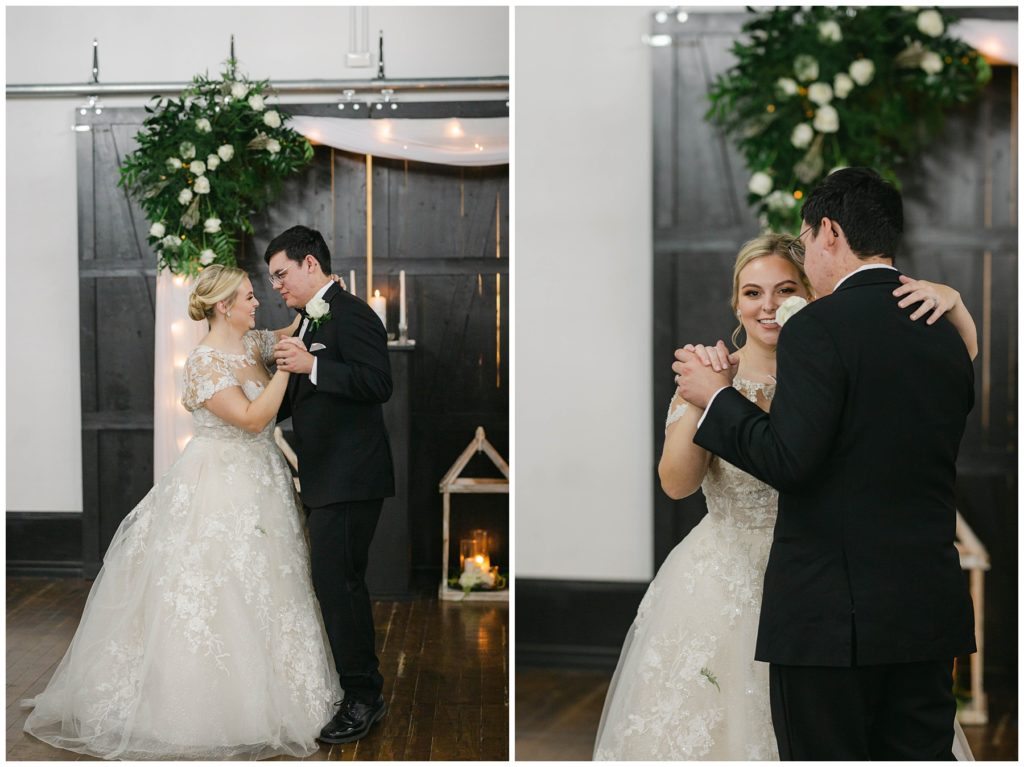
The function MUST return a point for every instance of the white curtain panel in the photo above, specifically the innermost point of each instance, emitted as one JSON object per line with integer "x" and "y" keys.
{"x": 174, "y": 336}
{"x": 449, "y": 141}
{"x": 995, "y": 39}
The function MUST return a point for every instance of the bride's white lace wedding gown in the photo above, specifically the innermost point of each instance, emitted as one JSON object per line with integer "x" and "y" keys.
{"x": 687, "y": 686}
{"x": 201, "y": 637}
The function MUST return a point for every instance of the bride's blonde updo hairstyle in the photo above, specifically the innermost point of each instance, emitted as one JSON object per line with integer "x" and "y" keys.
{"x": 785, "y": 246}
{"x": 215, "y": 283}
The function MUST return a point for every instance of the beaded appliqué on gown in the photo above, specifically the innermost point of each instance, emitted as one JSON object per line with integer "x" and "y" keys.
{"x": 687, "y": 685}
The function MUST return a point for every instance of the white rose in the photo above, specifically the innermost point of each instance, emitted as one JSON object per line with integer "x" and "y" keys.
{"x": 272, "y": 119}
{"x": 157, "y": 230}
{"x": 819, "y": 93}
{"x": 211, "y": 225}
{"x": 173, "y": 163}
{"x": 779, "y": 200}
{"x": 829, "y": 31}
{"x": 188, "y": 150}
{"x": 826, "y": 120}
{"x": 202, "y": 185}
{"x": 185, "y": 196}
{"x": 317, "y": 308}
{"x": 760, "y": 184}
{"x": 862, "y": 71}
{"x": 805, "y": 67}
{"x": 930, "y": 23}
{"x": 802, "y": 135}
{"x": 787, "y": 85}
{"x": 842, "y": 85}
{"x": 198, "y": 167}
{"x": 226, "y": 152}
{"x": 212, "y": 161}
{"x": 256, "y": 102}
{"x": 207, "y": 256}
{"x": 170, "y": 241}
{"x": 789, "y": 307}
{"x": 203, "y": 125}
{"x": 273, "y": 146}
{"x": 238, "y": 90}
{"x": 931, "y": 63}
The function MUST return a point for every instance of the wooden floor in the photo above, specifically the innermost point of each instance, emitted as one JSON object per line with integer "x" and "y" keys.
{"x": 445, "y": 666}
{"x": 557, "y": 713}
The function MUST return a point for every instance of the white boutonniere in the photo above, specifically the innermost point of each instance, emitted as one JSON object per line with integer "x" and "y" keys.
{"x": 789, "y": 307}
{"x": 319, "y": 311}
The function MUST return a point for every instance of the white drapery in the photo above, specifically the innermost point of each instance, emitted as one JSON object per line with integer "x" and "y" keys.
{"x": 450, "y": 141}
{"x": 174, "y": 336}
{"x": 996, "y": 40}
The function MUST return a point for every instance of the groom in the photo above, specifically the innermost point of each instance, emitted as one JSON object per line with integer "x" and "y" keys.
{"x": 864, "y": 605}
{"x": 334, "y": 398}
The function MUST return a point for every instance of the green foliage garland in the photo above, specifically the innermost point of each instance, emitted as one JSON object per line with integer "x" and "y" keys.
{"x": 820, "y": 88}
{"x": 206, "y": 162}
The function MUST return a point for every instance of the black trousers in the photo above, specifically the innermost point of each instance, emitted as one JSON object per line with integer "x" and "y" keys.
{"x": 339, "y": 542}
{"x": 900, "y": 711}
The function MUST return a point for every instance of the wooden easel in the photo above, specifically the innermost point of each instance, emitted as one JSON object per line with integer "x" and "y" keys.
{"x": 974, "y": 559}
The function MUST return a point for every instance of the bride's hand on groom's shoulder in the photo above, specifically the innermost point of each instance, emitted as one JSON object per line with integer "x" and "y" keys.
{"x": 933, "y": 297}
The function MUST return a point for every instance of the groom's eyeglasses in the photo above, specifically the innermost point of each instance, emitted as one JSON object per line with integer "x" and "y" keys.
{"x": 796, "y": 250}
{"x": 276, "y": 278}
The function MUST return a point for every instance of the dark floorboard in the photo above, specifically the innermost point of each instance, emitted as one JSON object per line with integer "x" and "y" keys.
{"x": 557, "y": 713}
{"x": 445, "y": 666}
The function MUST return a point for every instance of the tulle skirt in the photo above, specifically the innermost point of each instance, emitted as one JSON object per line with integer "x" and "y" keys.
{"x": 687, "y": 686}
{"x": 201, "y": 637}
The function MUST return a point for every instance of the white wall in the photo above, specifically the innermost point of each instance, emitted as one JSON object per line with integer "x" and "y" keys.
{"x": 53, "y": 45}
{"x": 582, "y": 174}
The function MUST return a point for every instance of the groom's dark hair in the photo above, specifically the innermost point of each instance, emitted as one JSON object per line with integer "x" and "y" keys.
{"x": 299, "y": 242}
{"x": 865, "y": 205}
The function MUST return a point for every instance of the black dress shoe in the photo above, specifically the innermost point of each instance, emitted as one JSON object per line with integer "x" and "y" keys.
{"x": 353, "y": 720}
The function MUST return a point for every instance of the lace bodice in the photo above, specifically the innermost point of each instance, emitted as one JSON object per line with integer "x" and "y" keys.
{"x": 209, "y": 371}
{"x": 734, "y": 497}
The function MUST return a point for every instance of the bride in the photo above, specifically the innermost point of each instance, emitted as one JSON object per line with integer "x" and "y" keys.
{"x": 201, "y": 637}
{"x": 687, "y": 686}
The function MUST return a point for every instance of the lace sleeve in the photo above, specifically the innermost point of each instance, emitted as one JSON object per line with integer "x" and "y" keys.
{"x": 205, "y": 375}
{"x": 263, "y": 341}
{"x": 676, "y": 408}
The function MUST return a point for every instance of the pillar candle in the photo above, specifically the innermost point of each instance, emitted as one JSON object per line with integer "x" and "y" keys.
{"x": 352, "y": 281}
{"x": 380, "y": 305}
{"x": 401, "y": 299}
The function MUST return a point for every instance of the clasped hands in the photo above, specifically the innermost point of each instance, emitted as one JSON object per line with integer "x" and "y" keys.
{"x": 702, "y": 370}
{"x": 291, "y": 356}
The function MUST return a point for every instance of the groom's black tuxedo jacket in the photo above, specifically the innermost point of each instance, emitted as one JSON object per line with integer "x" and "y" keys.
{"x": 342, "y": 445}
{"x": 861, "y": 441}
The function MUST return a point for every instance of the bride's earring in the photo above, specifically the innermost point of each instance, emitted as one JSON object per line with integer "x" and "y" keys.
{"x": 228, "y": 315}
{"x": 739, "y": 315}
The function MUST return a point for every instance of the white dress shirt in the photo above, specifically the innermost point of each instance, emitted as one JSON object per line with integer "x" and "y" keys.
{"x": 843, "y": 279}
{"x": 305, "y": 323}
